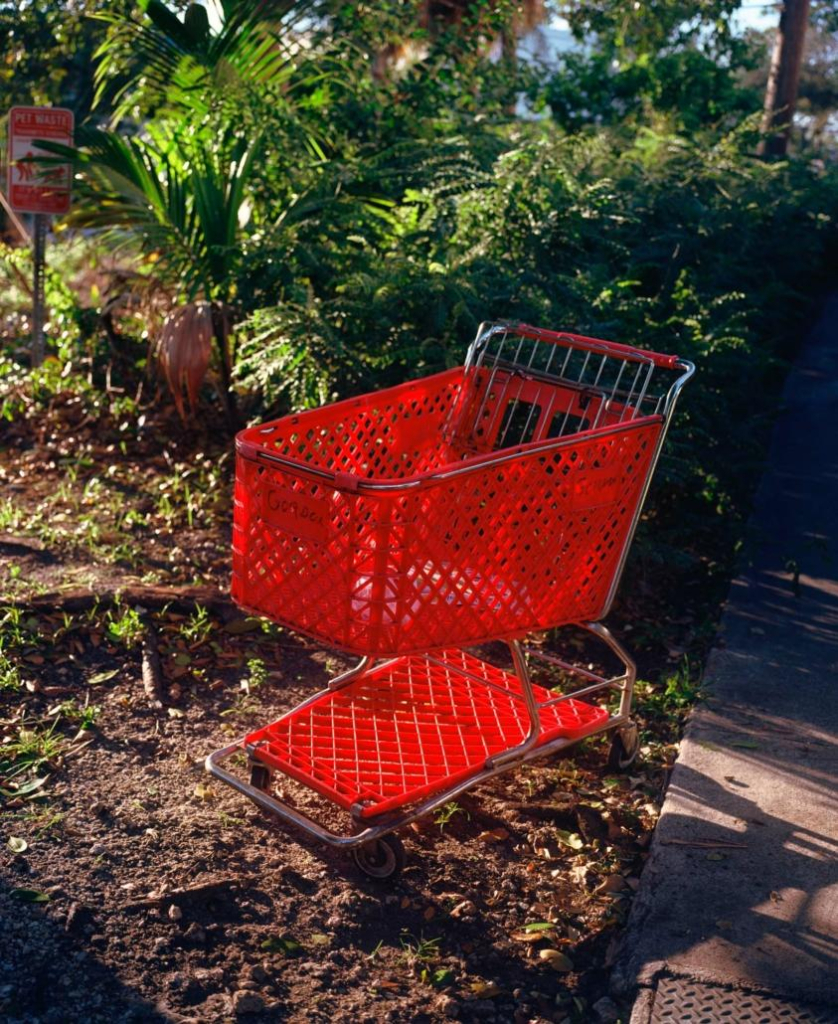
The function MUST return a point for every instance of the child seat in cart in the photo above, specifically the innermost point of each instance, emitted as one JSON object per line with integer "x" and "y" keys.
{"x": 479, "y": 504}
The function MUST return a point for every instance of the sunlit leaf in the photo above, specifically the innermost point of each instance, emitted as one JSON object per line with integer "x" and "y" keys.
{"x": 29, "y": 896}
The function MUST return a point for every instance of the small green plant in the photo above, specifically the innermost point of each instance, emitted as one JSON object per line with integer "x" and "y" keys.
{"x": 676, "y": 692}
{"x": 198, "y": 627}
{"x": 257, "y": 674}
{"x": 376, "y": 950}
{"x": 420, "y": 955}
{"x": 445, "y": 814}
{"x": 9, "y": 673}
{"x": 17, "y": 631}
{"x": 418, "y": 951}
{"x": 45, "y": 822}
{"x": 683, "y": 686}
{"x": 127, "y": 628}
{"x": 86, "y": 715}
{"x": 11, "y": 516}
{"x": 229, "y": 820}
{"x": 31, "y": 748}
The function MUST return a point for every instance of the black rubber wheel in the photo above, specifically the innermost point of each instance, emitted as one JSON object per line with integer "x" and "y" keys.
{"x": 260, "y": 777}
{"x": 625, "y": 746}
{"x": 381, "y": 859}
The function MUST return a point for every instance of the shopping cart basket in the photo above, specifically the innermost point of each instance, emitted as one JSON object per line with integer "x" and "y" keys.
{"x": 478, "y": 504}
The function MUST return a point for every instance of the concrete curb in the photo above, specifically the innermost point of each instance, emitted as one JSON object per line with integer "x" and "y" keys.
{"x": 740, "y": 892}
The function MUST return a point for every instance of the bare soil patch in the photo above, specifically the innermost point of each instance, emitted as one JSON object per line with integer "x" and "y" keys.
{"x": 137, "y": 888}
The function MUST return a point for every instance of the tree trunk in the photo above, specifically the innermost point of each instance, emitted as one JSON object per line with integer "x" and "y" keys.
{"x": 221, "y": 330}
{"x": 784, "y": 78}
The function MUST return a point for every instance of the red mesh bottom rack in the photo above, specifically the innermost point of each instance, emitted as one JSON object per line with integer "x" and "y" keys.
{"x": 411, "y": 728}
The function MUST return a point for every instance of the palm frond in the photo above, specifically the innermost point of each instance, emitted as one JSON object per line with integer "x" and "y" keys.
{"x": 155, "y": 58}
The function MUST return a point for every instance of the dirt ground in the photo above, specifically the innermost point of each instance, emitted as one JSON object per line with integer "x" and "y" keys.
{"x": 136, "y": 888}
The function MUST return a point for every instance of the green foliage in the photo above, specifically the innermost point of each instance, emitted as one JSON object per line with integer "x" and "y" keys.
{"x": 125, "y": 627}
{"x": 675, "y": 57}
{"x": 652, "y": 27}
{"x": 46, "y": 51}
{"x": 692, "y": 88}
{"x": 178, "y": 197}
{"x": 154, "y": 59}
{"x": 341, "y": 215}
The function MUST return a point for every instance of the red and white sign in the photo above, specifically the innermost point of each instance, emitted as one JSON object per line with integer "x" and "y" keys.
{"x": 35, "y": 187}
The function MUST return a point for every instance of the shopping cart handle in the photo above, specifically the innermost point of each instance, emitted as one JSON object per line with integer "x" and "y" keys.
{"x": 609, "y": 348}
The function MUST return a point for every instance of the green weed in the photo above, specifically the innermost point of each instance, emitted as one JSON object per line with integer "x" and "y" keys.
{"x": 127, "y": 629}
{"x": 85, "y": 715}
{"x": 9, "y": 673}
{"x": 198, "y": 627}
{"x": 31, "y": 748}
{"x": 257, "y": 673}
{"x": 446, "y": 813}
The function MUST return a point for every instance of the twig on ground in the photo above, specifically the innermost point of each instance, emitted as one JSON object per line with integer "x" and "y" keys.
{"x": 152, "y": 668}
{"x": 82, "y": 599}
{"x": 208, "y": 888}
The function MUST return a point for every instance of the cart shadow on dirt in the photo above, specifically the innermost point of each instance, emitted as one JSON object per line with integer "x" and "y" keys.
{"x": 178, "y": 892}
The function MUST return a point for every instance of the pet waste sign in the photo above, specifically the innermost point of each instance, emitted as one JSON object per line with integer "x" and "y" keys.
{"x": 35, "y": 187}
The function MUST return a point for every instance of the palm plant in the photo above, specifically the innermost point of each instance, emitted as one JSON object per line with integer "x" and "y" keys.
{"x": 155, "y": 59}
{"x": 181, "y": 202}
{"x": 180, "y": 190}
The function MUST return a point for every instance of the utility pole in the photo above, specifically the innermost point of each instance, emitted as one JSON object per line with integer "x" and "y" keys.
{"x": 784, "y": 77}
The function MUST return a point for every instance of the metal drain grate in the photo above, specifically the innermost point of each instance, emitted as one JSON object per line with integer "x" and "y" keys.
{"x": 681, "y": 1001}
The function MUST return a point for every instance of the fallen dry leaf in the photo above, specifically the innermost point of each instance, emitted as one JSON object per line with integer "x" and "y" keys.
{"x": 495, "y": 835}
{"x": 558, "y": 961}
{"x": 613, "y": 883}
{"x": 485, "y": 989}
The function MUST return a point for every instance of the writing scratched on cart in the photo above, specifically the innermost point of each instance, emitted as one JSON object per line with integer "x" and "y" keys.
{"x": 296, "y": 513}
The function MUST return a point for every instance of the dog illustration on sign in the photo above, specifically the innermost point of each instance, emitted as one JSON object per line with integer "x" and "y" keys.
{"x": 29, "y": 172}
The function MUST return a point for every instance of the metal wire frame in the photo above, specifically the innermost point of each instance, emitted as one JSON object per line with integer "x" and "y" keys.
{"x": 512, "y": 368}
{"x": 523, "y": 752}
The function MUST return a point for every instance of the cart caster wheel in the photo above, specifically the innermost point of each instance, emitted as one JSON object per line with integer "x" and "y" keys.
{"x": 260, "y": 777}
{"x": 381, "y": 859}
{"x": 624, "y": 748}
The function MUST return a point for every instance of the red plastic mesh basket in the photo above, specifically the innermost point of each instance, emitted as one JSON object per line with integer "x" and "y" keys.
{"x": 406, "y": 520}
{"x": 410, "y": 729}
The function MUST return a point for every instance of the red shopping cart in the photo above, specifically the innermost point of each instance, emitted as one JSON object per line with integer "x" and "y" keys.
{"x": 410, "y": 524}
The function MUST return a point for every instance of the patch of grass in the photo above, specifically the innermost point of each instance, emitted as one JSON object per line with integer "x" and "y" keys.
{"x": 31, "y": 748}
{"x": 11, "y": 516}
{"x": 9, "y": 673}
{"x": 125, "y": 627}
{"x": 419, "y": 955}
{"x": 16, "y": 629}
{"x": 445, "y": 814}
{"x": 198, "y": 626}
{"x": 45, "y": 822}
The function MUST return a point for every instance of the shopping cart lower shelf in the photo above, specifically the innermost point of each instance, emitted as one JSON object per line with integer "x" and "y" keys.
{"x": 389, "y": 743}
{"x": 412, "y": 728}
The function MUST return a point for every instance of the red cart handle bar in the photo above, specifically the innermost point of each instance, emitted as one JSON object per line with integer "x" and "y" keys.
{"x": 611, "y": 348}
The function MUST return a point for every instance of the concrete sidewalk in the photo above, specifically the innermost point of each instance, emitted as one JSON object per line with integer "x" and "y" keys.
{"x": 747, "y": 930}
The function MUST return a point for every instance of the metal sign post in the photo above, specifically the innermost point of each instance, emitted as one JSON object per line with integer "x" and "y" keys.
{"x": 39, "y": 243}
{"x": 41, "y": 187}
